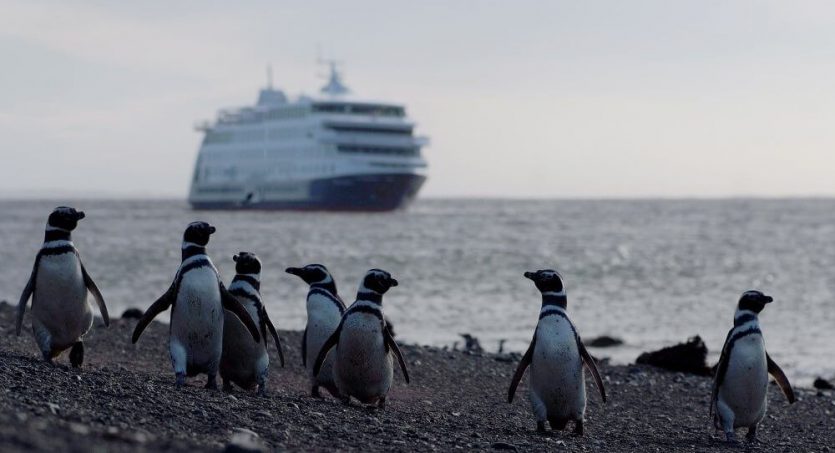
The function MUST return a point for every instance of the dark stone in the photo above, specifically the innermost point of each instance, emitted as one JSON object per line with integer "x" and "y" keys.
{"x": 823, "y": 384}
{"x": 245, "y": 441}
{"x": 604, "y": 341}
{"x": 503, "y": 446}
{"x": 686, "y": 357}
{"x": 132, "y": 313}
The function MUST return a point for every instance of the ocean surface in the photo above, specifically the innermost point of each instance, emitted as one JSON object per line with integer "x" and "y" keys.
{"x": 650, "y": 272}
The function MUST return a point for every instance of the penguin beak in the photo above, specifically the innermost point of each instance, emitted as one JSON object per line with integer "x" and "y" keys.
{"x": 393, "y": 282}
{"x": 529, "y": 275}
{"x": 79, "y": 215}
{"x": 212, "y": 229}
{"x": 294, "y": 271}
{"x": 768, "y": 299}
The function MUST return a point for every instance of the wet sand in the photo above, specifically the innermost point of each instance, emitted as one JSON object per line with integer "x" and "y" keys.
{"x": 124, "y": 399}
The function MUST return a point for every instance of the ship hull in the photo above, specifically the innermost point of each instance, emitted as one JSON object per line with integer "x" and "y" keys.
{"x": 374, "y": 192}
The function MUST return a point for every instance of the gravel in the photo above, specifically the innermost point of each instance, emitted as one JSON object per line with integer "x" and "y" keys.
{"x": 124, "y": 399}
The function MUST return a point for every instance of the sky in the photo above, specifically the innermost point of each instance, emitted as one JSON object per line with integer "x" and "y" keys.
{"x": 522, "y": 99}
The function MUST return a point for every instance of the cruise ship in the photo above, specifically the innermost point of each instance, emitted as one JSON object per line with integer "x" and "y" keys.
{"x": 331, "y": 151}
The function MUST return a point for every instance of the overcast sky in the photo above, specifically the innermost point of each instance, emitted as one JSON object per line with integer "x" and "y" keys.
{"x": 520, "y": 99}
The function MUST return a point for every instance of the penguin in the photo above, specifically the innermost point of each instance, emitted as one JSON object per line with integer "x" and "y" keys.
{"x": 245, "y": 362}
{"x": 324, "y": 312}
{"x": 58, "y": 285}
{"x": 197, "y": 297}
{"x": 362, "y": 366}
{"x": 556, "y": 356}
{"x": 740, "y": 384}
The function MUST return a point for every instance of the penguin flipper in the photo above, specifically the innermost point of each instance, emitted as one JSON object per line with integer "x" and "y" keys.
{"x": 780, "y": 377}
{"x": 27, "y": 293}
{"x": 326, "y": 347}
{"x": 520, "y": 370}
{"x": 94, "y": 290}
{"x": 392, "y": 345}
{"x": 304, "y": 347}
{"x": 721, "y": 369}
{"x": 159, "y": 306}
{"x": 230, "y": 303}
{"x": 267, "y": 324}
{"x": 592, "y": 366}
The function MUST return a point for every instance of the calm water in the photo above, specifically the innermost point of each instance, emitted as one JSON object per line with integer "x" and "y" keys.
{"x": 650, "y": 272}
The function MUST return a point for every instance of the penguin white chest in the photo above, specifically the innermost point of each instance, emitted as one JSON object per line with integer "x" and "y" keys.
{"x": 745, "y": 384}
{"x": 323, "y": 318}
{"x": 363, "y": 368}
{"x": 557, "y": 383}
{"x": 197, "y": 320}
{"x": 60, "y": 299}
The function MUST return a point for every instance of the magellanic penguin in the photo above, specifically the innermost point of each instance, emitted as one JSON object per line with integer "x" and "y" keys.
{"x": 556, "y": 357}
{"x": 58, "y": 285}
{"x": 364, "y": 346}
{"x": 740, "y": 385}
{"x": 324, "y": 312}
{"x": 244, "y": 361}
{"x": 197, "y": 297}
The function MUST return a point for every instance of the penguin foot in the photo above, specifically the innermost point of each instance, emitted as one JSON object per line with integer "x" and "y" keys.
{"x": 211, "y": 383}
{"x": 540, "y": 427}
{"x": 381, "y": 403}
{"x": 262, "y": 391}
{"x": 751, "y": 437}
{"x": 578, "y": 428}
{"x": 730, "y": 439}
{"x": 314, "y": 392}
{"x": 180, "y": 380}
{"x": 227, "y": 386}
{"x": 77, "y": 354}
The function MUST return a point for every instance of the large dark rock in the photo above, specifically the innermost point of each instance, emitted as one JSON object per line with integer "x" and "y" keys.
{"x": 132, "y": 313}
{"x": 689, "y": 357}
{"x": 604, "y": 341}
{"x": 823, "y": 384}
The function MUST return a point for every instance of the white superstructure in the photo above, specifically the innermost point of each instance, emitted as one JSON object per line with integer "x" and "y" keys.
{"x": 331, "y": 151}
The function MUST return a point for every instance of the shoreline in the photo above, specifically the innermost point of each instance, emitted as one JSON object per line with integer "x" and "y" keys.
{"x": 124, "y": 398}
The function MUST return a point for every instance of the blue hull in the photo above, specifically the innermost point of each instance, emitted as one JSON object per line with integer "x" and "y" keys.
{"x": 385, "y": 192}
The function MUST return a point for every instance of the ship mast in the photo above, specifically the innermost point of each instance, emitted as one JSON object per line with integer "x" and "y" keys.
{"x": 334, "y": 87}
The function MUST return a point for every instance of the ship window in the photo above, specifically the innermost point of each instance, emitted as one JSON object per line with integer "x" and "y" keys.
{"x": 360, "y": 109}
{"x": 384, "y": 150}
{"x": 371, "y": 130}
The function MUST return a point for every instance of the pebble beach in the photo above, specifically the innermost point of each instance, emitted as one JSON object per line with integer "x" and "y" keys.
{"x": 124, "y": 399}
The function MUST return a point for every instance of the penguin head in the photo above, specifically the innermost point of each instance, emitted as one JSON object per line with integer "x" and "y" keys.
{"x": 378, "y": 281}
{"x": 312, "y": 273}
{"x": 198, "y": 233}
{"x": 247, "y": 263}
{"x": 754, "y": 301}
{"x": 65, "y": 218}
{"x": 547, "y": 281}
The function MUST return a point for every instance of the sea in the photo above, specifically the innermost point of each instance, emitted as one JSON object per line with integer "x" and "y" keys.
{"x": 650, "y": 272}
